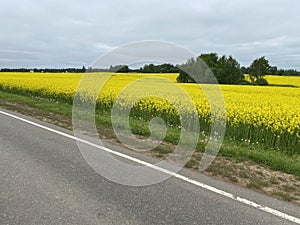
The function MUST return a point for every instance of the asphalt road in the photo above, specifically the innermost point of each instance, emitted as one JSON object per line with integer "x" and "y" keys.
{"x": 45, "y": 180}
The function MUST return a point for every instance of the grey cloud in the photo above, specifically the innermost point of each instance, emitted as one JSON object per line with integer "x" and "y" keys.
{"x": 75, "y": 33}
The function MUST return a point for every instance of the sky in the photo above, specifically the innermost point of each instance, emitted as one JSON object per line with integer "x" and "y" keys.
{"x": 73, "y": 33}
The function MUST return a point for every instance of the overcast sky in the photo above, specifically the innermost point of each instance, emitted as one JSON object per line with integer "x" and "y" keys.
{"x": 67, "y": 33}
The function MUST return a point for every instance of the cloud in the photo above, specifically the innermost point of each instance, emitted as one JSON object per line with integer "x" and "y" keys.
{"x": 56, "y": 33}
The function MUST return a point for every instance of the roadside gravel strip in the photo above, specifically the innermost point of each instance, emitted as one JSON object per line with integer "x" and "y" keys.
{"x": 6, "y": 115}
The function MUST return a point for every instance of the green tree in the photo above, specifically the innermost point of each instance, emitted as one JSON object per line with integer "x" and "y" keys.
{"x": 184, "y": 77}
{"x": 185, "y": 71}
{"x": 201, "y": 69}
{"x": 211, "y": 60}
{"x": 259, "y": 68}
{"x": 245, "y": 70}
{"x": 273, "y": 70}
{"x": 119, "y": 68}
{"x": 228, "y": 71}
{"x": 207, "y": 66}
{"x": 150, "y": 68}
{"x": 261, "y": 81}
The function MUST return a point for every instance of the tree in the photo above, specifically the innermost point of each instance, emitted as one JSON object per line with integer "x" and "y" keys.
{"x": 150, "y": 68}
{"x": 185, "y": 71}
{"x": 273, "y": 70}
{"x": 199, "y": 70}
{"x": 119, "y": 68}
{"x": 259, "y": 68}
{"x": 184, "y": 78}
{"x": 211, "y": 60}
{"x": 280, "y": 72}
{"x": 261, "y": 81}
{"x": 206, "y": 66}
{"x": 228, "y": 71}
{"x": 163, "y": 68}
{"x": 245, "y": 70}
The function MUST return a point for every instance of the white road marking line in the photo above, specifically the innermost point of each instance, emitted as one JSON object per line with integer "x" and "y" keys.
{"x": 178, "y": 176}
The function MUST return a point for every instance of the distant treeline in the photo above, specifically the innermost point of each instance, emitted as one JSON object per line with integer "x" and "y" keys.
{"x": 151, "y": 68}
{"x": 273, "y": 70}
{"x": 46, "y": 70}
{"x": 169, "y": 68}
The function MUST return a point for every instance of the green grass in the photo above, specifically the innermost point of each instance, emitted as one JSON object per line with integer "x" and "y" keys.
{"x": 239, "y": 151}
{"x": 39, "y": 103}
{"x": 257, "y": 184}
{"x": 274, "y": 159}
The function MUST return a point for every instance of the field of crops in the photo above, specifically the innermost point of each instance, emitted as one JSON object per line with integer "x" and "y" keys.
{"x": 266, "y": 115}
{"x": 289, "y": 81}
{"x": 280, "y": 80}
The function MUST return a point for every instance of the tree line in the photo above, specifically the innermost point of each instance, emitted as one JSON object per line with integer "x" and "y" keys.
{"x": 274, "y": 70}
{"x": 148, "y": 68}
{"x": 46, "y": 70}
{"x": 206, "y": 68}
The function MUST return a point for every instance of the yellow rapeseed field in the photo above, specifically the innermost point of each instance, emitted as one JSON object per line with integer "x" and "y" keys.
{"x": 280, "y": 80}
{"x": 265, "y": 115}
{"x": 284, "y": 80}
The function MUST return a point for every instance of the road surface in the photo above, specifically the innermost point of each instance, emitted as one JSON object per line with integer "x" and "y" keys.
{"x": 45, "y": 180}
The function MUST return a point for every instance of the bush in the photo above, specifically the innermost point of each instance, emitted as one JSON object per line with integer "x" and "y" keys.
{"x": 261, "y": 81}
